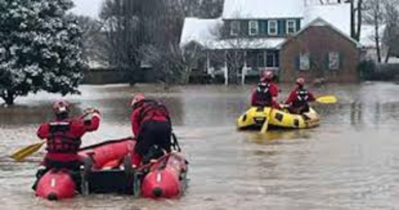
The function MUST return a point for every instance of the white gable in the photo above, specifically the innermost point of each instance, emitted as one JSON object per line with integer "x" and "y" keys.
{"x": 262, "y": 9}
{"x": 337, "y": 15}
{"x": 322, "y": 22}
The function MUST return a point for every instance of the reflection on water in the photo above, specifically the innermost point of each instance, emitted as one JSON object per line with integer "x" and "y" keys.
{"x": 271, "y": 136}
{"x": 349, "y": 162}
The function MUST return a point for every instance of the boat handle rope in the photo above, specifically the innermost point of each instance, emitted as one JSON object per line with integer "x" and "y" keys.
{"x": 175, "y": 143}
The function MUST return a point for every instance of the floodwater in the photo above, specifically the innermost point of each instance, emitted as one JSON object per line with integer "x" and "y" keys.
{"x": 350, "y": 162}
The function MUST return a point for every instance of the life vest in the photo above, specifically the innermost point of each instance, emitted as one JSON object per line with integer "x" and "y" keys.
{"x": 262, "y": 95}
{"x": 151, "y": 109}
{"x": 301, "y": 99}
{"x": 61, "y": 140}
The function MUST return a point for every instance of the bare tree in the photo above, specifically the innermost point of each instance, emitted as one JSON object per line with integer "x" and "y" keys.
{"x": 92, "y": 39}
{"x": 391, "y": 33}
{"x": 137, "y": 30}
{"x": 233, "y": 51}
{"x": 356, "y": 10}
{"x": 121, "y": 30}
{"x": 211, "y": 9}
{"x": 375, "y": 15}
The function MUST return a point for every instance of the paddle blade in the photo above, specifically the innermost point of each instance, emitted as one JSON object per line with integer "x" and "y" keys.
{"x": 22, "y": 153}
{"x": 327, "y": 100}
{"x": 265, "y": 126}
{"x": 266, "y": 123}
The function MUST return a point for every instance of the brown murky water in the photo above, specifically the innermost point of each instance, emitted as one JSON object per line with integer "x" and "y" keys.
{"x": 349, "y": 162}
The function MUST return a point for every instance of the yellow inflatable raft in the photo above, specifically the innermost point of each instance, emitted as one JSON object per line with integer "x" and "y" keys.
{"x": 256, "y": 116}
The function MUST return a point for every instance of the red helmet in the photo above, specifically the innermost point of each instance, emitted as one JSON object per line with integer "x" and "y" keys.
{"x": 267, "y": 76}
{"x": 137, "y": 98}
{"x": 300, "y": 81}
{"x": 60, "y": 107}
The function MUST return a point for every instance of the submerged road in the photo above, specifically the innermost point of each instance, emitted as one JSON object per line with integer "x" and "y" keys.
{"x": 350, "y": 162}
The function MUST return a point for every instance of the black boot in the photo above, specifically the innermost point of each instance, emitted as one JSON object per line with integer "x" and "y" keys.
{"x": 39, "y": 174}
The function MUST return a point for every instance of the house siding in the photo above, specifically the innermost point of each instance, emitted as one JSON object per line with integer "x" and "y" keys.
{"x": 318, "y": 41}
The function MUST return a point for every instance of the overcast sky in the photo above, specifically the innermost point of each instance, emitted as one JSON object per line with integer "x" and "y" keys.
{"x": 87, "y": 7}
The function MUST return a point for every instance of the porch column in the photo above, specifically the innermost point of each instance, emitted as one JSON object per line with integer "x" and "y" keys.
{"x": 226, "y": 71}
{"x": 244, "y": 70}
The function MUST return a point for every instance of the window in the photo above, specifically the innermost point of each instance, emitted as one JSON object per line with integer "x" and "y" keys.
{"x": 304, "y": 61}
{"x": 234, "y": 28}
{"x": 271, "y": 59}
{"x": 260, "y": 60}
{"x": 333, "y": 60}
{"x": 291, "y": 26}
{"x": 272, "y": 27}
{"x": 253, "y": 27}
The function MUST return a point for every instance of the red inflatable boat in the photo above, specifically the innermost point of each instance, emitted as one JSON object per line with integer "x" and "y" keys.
{"x": 107, "y": 169}
{"x": 166, "y": 177}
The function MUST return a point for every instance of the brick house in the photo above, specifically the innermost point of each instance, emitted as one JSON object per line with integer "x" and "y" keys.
{"x": 320, "y": 51}
{"x": 290, "y": 37}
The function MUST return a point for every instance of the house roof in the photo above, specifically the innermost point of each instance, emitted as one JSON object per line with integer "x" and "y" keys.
{"x": 337, "y": 15}
{"x": 321, "y": 22}
{"x": 246, "y": 43}
{"x": 205, "y": 32}
{"x": 262, "y": 9}
{"x": 201, "y": 31}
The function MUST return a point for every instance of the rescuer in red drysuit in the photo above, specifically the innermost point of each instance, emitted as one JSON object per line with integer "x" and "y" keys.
{"x": 151, "y": 125}
{"x": 299, "y": 98}
{"x": 266, "y": 92}
{"x": 63, "y": 137}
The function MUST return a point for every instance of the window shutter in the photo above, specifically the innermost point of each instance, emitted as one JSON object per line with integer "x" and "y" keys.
{"x": 244, "y": 25}
{"x": 341, "y": 61}
{"x": 296, "y": 61}
{"x": 281, "y": 27}
{"x": 326, "y": 62}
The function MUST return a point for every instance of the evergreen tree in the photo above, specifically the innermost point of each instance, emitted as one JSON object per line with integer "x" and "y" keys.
{"x": 40, "y": 48}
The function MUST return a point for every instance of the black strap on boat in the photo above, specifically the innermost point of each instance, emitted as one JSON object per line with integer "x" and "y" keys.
{"x": 175, "y": 143}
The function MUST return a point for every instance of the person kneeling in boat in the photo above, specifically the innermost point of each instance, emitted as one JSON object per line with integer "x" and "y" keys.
{"x": 299, "y": 98}
{"x": 266, "y": 92}
{"x": 152, "y": 128}
{"x": 63, "y": 137}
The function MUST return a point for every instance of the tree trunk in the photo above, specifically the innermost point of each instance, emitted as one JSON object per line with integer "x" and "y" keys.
{"x": 359, "y": 19}
{"x": 353, "y": 32}
{"x": 388, "y": 55}
{"x": 8, "y": 97}
{"x": 377, "y": 39}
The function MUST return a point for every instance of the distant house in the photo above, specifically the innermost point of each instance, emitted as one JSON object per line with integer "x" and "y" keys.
{"x": 290, "y": 37}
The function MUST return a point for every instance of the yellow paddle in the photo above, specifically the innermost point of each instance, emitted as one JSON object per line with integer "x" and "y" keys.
{"x": 22, "y": 153}
{"x": 327, "y": 99}
{"x": 266, "y": 123}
